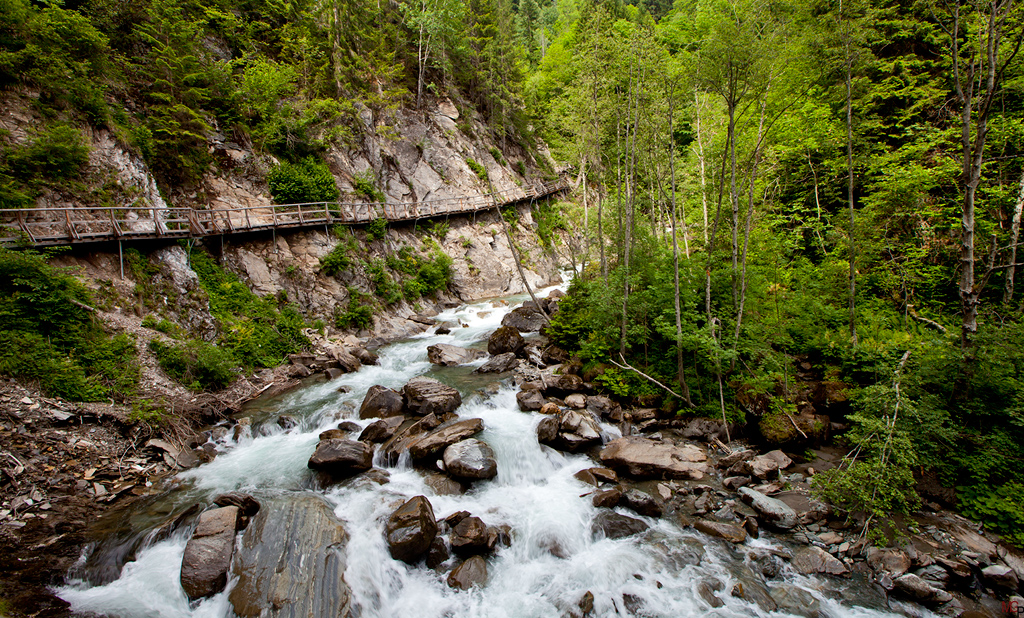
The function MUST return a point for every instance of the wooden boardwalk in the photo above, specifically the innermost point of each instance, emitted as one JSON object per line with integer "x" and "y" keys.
{"x": 40, "y": 227}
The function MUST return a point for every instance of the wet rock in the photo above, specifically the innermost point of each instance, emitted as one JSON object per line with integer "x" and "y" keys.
{"x": 448, "y": 355}
{"x": 411, "y": 529}
{"x": 547, "y": 430}
{"x": 434, "y": 442}
{"x": 643, "y": 458}
{"x": 734, "y": 458}
{"x": 753, "y": 591}
{"x": 707, "y": 588}
{"x": 586, "y": 603}
{"x": 472, "y": 572}
{"x": 918, "y": 589}
{"x": 729, "y": 532}
{"x": 578, "y": 429}
{"x": 807, "y": 509}
{"x": 780, "y": 458}
{"x": 576, "y": 401}
{"x": 444, "y": 485}
{"x": 530, "y": 400}
{"x": 774, "y": 512}
{"x": 445, "y": 328}
{"x": 554, "y": 355}
{"x": 735, "y": 482}
{"x": 381, "y": 402}
{"x": 766, "y": 563}
{"x": 524, "y": 319}
{"x": 566, "y": 384}
{"x": 247, "y": 506}
{"x": 470, "y": 459}
{"x": 585, "y": 476}
{"x": 498, "y": 364}
{"x": 549, "y": 409}
{"x": 286, "y": 421}
{"x": 291, "y": 562}
{"x": 640, "y": 502}
{"x": 816, "y": 560}
{"x": 1001, "y": 576}
{"x": 437, "y": 553}
{"x": 750, "y": 525}
{"x": 428, "y": 396}
{"x": 605, "y": 408}
{"x": 892, "y": 561}
{"x": 333, "y": 434}
{"x": 341, "y": 458}
{"x": 796, "y": 601}
{"x": 761, "y": 467}
{"x": 469, "y": 537}
{"x": 605, "y": 475}
{"x": 935, "y": 575}
{"x": 499, "y": 535}
{"x": 365, "y": 356}
{"x": 504, "y": 340}
{"x": 207, "y": 558}
{"x": 608, "y": 498}
{"x": 382, "y": 430}
{"x": 349, "y": 426}
{"x": 611, "y": 525}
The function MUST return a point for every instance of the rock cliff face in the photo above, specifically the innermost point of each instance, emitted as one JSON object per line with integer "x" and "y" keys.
{"x": 414, "y": 156}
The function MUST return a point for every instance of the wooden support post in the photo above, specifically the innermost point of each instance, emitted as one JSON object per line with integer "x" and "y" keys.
{"x": 120, "y": 257}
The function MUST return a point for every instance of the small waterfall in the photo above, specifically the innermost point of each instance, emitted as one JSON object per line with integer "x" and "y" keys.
{"x": 553, "y": 559}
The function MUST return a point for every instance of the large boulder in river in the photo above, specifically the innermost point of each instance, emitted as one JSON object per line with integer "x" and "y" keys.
{"x": 611, "y": 525}
{"x": 381, "y": 430}
{"x": 524, "y": 319}
{"x": 773, "y": 512}
{"x": 498, "y": 364}
{"x": 469, "y": 537}
{"x": 577, "y": 429}
{"x": 382, "y": 402}
{"x": 434, "y": 442}
{"x": 448, "y": 355}
{"x": 472, "y": 572}
{"x": 411, "y": 529}
{"x": 425, "y": 396}
{"x": 204, "y": 567}
{"x": 644, "y": 458}
{"x": 341, "y": 458}
{"x": 530, "y": 400}
{"x": 291, "y": 561}
{"x": 470, "y": 460}
{"x": 816, "y": 560}
{"x": 505, "y": 339}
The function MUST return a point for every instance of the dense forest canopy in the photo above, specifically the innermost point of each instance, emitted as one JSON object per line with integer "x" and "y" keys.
{"x": 760, "y": 185}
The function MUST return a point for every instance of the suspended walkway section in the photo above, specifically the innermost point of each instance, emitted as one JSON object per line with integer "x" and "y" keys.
{"x": 41, "y": 227}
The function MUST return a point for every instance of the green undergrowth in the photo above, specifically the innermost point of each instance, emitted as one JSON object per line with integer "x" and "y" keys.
{"x": 47, "y": 335}
{"x": 196, "y": 364}
{"x": 257, "y": 331}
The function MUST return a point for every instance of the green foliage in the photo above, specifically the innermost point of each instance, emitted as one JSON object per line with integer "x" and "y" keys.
{"x": 148, "y": 412}
{"x": 339, "y": 258}
{"x": 366, "y": 184}
{"x": 52, "y": 156}
{"x": 196, "y": 364}
{"x": 357, "y": 314}
{"x": 377, "y": 229}
{"x": 479, "y": 170}
{"x": 258, "y": 332}
{"x": 307, "y": 181}
{"x": 1001, "y": 508}
{"x": 438, "y": 229}
{"x": 384, "y": 286}
{"x": 46, "y": 335}
{"x": 549, "y": 218}
{"x": 497, "y": 157}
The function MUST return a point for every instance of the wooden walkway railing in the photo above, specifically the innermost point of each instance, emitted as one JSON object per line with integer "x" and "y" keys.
{"x": 68, "y": 226}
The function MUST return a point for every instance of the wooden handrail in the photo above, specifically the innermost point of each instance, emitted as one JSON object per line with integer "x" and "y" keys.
{"x": 70, "y": 225}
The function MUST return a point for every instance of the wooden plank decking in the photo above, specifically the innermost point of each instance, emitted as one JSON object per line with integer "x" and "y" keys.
{"x": 42, "y": 227}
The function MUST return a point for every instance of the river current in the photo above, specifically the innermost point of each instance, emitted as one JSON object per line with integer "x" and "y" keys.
{"x": 534, "y": 493}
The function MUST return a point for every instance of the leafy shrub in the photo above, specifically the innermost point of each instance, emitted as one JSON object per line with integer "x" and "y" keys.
{"x": 307, "y": 181}
{"x": 497, "y": 156}
{"x": 52, "y": 155}
{"x": 258, "y": 331}
{"x": 47, "y": 335}
{"x": 384, "y": 286}
{"x": 1001, "y": 508}
{"x": 366, "y": 184}
{"x": 335, "y": 261}
{"x": 435, "y": 273}
{"x": 479, "y": 170}
{"x": 521, "y": 168}
{"x": 412, "y": 289}
{"x": 377, "y": 228}
{"x": 357, "y": 314}
{"x": 196, "y": 364}
{"x": 438, "y": 229}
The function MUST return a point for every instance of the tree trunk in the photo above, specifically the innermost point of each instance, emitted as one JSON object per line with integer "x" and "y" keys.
{"x": 1014, "y": 238}
{"x": 750, "y": 217}
{"x": 680, "y": 367}
{"x": 700, "y": 162}
{"x": 849, "y": 196}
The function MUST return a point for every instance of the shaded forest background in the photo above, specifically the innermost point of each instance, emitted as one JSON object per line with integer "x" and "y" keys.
{"x": 768, "y": 194}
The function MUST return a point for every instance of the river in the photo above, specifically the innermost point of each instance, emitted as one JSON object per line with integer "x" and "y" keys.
{"x": 653, "y": 574}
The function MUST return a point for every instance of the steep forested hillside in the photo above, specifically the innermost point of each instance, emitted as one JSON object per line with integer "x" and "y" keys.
{"x": 801, "y": 215}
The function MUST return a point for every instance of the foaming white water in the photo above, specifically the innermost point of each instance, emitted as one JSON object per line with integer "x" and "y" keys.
{"x": 553, "y": 559}
{"x": 149, "y": 587}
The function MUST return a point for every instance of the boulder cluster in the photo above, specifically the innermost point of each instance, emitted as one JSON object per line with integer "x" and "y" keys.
{"x": 413, "y": 533}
